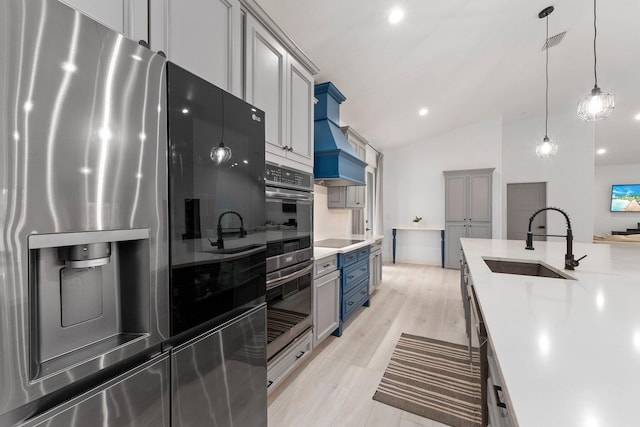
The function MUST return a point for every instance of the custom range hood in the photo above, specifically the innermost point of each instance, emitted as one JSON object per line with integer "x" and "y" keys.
{"x": 336, "y": 163}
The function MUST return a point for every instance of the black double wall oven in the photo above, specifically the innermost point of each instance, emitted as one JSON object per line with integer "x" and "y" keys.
{"x": 289, "y": 223}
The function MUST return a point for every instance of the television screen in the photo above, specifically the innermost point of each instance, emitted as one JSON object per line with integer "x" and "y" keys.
{"x": 625, "y": 198}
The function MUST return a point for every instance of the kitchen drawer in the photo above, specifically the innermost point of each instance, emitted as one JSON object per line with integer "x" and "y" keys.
{"x": 376, "y": 246}
{"x": 324, "y": 266}
{"x": 283, "y": 364}
{"x": 354, "y": 274}
{"x": 348, "y": 258}
{"x": 354, "y": 299}
{"x": 363, "y": 253}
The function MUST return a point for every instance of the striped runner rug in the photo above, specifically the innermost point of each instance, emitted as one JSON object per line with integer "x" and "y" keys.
{"x": 433, "y": 379}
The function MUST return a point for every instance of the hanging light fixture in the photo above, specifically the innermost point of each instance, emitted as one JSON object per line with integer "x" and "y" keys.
{"x": 221, "y": 153}
{"x": 547, "y": 147}
{"x": 597, "y": 105}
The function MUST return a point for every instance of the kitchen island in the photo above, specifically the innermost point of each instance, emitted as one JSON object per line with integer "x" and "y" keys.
{"x": 568, "y": 351}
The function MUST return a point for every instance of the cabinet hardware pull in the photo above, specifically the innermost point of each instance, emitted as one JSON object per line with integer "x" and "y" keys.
{"x": 499, "y": 403}
{"x": 326, "y": 265}
{"x": 269, "y": 383}
{"x": 300, "y": 355}
{"x": 350, "y": 303}
{"x": 349, "y": 277}
{"x": 363, "y": 292}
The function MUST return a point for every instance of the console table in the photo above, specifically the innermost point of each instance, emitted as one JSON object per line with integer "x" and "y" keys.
{"x": 441, "y": 230}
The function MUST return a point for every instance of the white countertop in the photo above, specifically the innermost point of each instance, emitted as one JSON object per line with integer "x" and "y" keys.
{"x": 569, "y": 351}
{"x": 320, "y": 252}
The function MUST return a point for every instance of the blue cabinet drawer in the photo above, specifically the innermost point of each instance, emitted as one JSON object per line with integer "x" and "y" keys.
{"x": 348, "y": 258}
{"x": 354, "y": 274}
{"x": 354, "y": 299}
{"x": 363, "y": 253}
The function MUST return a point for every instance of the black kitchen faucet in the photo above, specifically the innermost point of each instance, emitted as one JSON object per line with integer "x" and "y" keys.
{"x": 241, "y": 231}
{"x": 569, "y": 261}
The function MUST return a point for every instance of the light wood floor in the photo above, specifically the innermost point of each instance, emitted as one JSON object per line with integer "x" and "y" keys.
{"x": 335, "y": 385}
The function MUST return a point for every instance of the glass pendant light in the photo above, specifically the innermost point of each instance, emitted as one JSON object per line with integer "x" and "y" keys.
{"x": 220, "y": 154}
{"x": 546, "y": 148}
{"x": 597, "y": 105}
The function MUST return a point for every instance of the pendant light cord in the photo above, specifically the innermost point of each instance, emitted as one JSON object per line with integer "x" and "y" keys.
{"x": 546, "y": 98}
{"x": 595, "y": 34}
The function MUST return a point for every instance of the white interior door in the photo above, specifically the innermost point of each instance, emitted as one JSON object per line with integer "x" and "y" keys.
{"x": 370, "y": 195}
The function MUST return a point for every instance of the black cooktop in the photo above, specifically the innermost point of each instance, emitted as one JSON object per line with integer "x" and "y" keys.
{"x": 336, "y": 243}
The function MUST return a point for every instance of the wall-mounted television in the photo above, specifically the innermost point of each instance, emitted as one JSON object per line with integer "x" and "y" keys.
{"x": 625, "y": 198}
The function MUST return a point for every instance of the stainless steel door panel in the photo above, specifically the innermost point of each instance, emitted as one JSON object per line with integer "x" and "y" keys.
{"x": 139, "y": 397}
{"x": 82, "y": 148}
{"x": 220, "y": 378}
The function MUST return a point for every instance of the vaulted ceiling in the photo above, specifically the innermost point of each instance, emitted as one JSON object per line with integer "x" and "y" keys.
{"x": 467, "y": 61}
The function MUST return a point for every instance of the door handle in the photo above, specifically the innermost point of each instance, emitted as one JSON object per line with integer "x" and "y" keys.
{"x": 542, "y": 227}
{"x": 499, "y": 403}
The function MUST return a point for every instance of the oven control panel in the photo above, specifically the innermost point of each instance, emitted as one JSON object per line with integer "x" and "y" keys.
{"x": 286, "y": 177}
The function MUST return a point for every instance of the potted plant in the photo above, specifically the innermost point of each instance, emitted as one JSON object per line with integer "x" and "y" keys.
{"x": 416, "y": 221}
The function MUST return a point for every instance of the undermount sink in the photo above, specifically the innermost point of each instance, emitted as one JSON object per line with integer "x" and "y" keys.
{"x": 233, "y": 250}
{"x": 524, "y": 268}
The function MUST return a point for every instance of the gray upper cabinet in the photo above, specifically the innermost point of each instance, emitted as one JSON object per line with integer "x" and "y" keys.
{"x": 280, "y": 86}
{"x": 128, "y": 17}
{"x": 266, "y": 81}
{"x": 205, "y": 36}
{"x": 300, "y": 112}
{"x": 468, "y": 204}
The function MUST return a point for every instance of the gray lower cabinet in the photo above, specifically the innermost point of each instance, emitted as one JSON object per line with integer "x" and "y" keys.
{"x": 288, "y": 360}
{"x": 468, "y": 209}
{"x": 499, "y": 412}
{"x": 139, "y": 397}
{"x": 326, "y": 298}
{"x": 375, "y": 265}
{"x": 496, "y": 407}
{"x": 219, "y": 378}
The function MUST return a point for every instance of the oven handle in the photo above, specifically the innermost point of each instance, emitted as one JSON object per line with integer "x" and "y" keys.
{"x": 280, "y": 280}
{"x": 276, "y": 193}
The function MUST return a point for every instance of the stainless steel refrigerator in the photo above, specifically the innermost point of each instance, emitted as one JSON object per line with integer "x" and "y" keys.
{"x": 83, "y": 222}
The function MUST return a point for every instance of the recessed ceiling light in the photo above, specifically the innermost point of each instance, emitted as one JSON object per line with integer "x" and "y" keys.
{"x": 423, "y": 112}
{"x": 601, "y": 151}
{"x": 637, "y": 117}
{"x": 185, "y": 111}
{"x": 395, "y": 16}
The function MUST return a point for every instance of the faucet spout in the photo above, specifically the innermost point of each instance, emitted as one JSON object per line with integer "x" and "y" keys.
{"x": 241, "y": 231}
{"x": 569, "y": 261}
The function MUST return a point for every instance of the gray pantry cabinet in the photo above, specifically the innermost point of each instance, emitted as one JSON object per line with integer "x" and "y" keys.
{"x": 468, "y": 204}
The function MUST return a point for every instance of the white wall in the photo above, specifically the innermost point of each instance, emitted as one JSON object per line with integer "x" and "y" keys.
{"x": 328, "y": 223}
{"x": 414, "y": 185}
{"x": 605, "y": 176}
{"x": 569, "y": 175}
